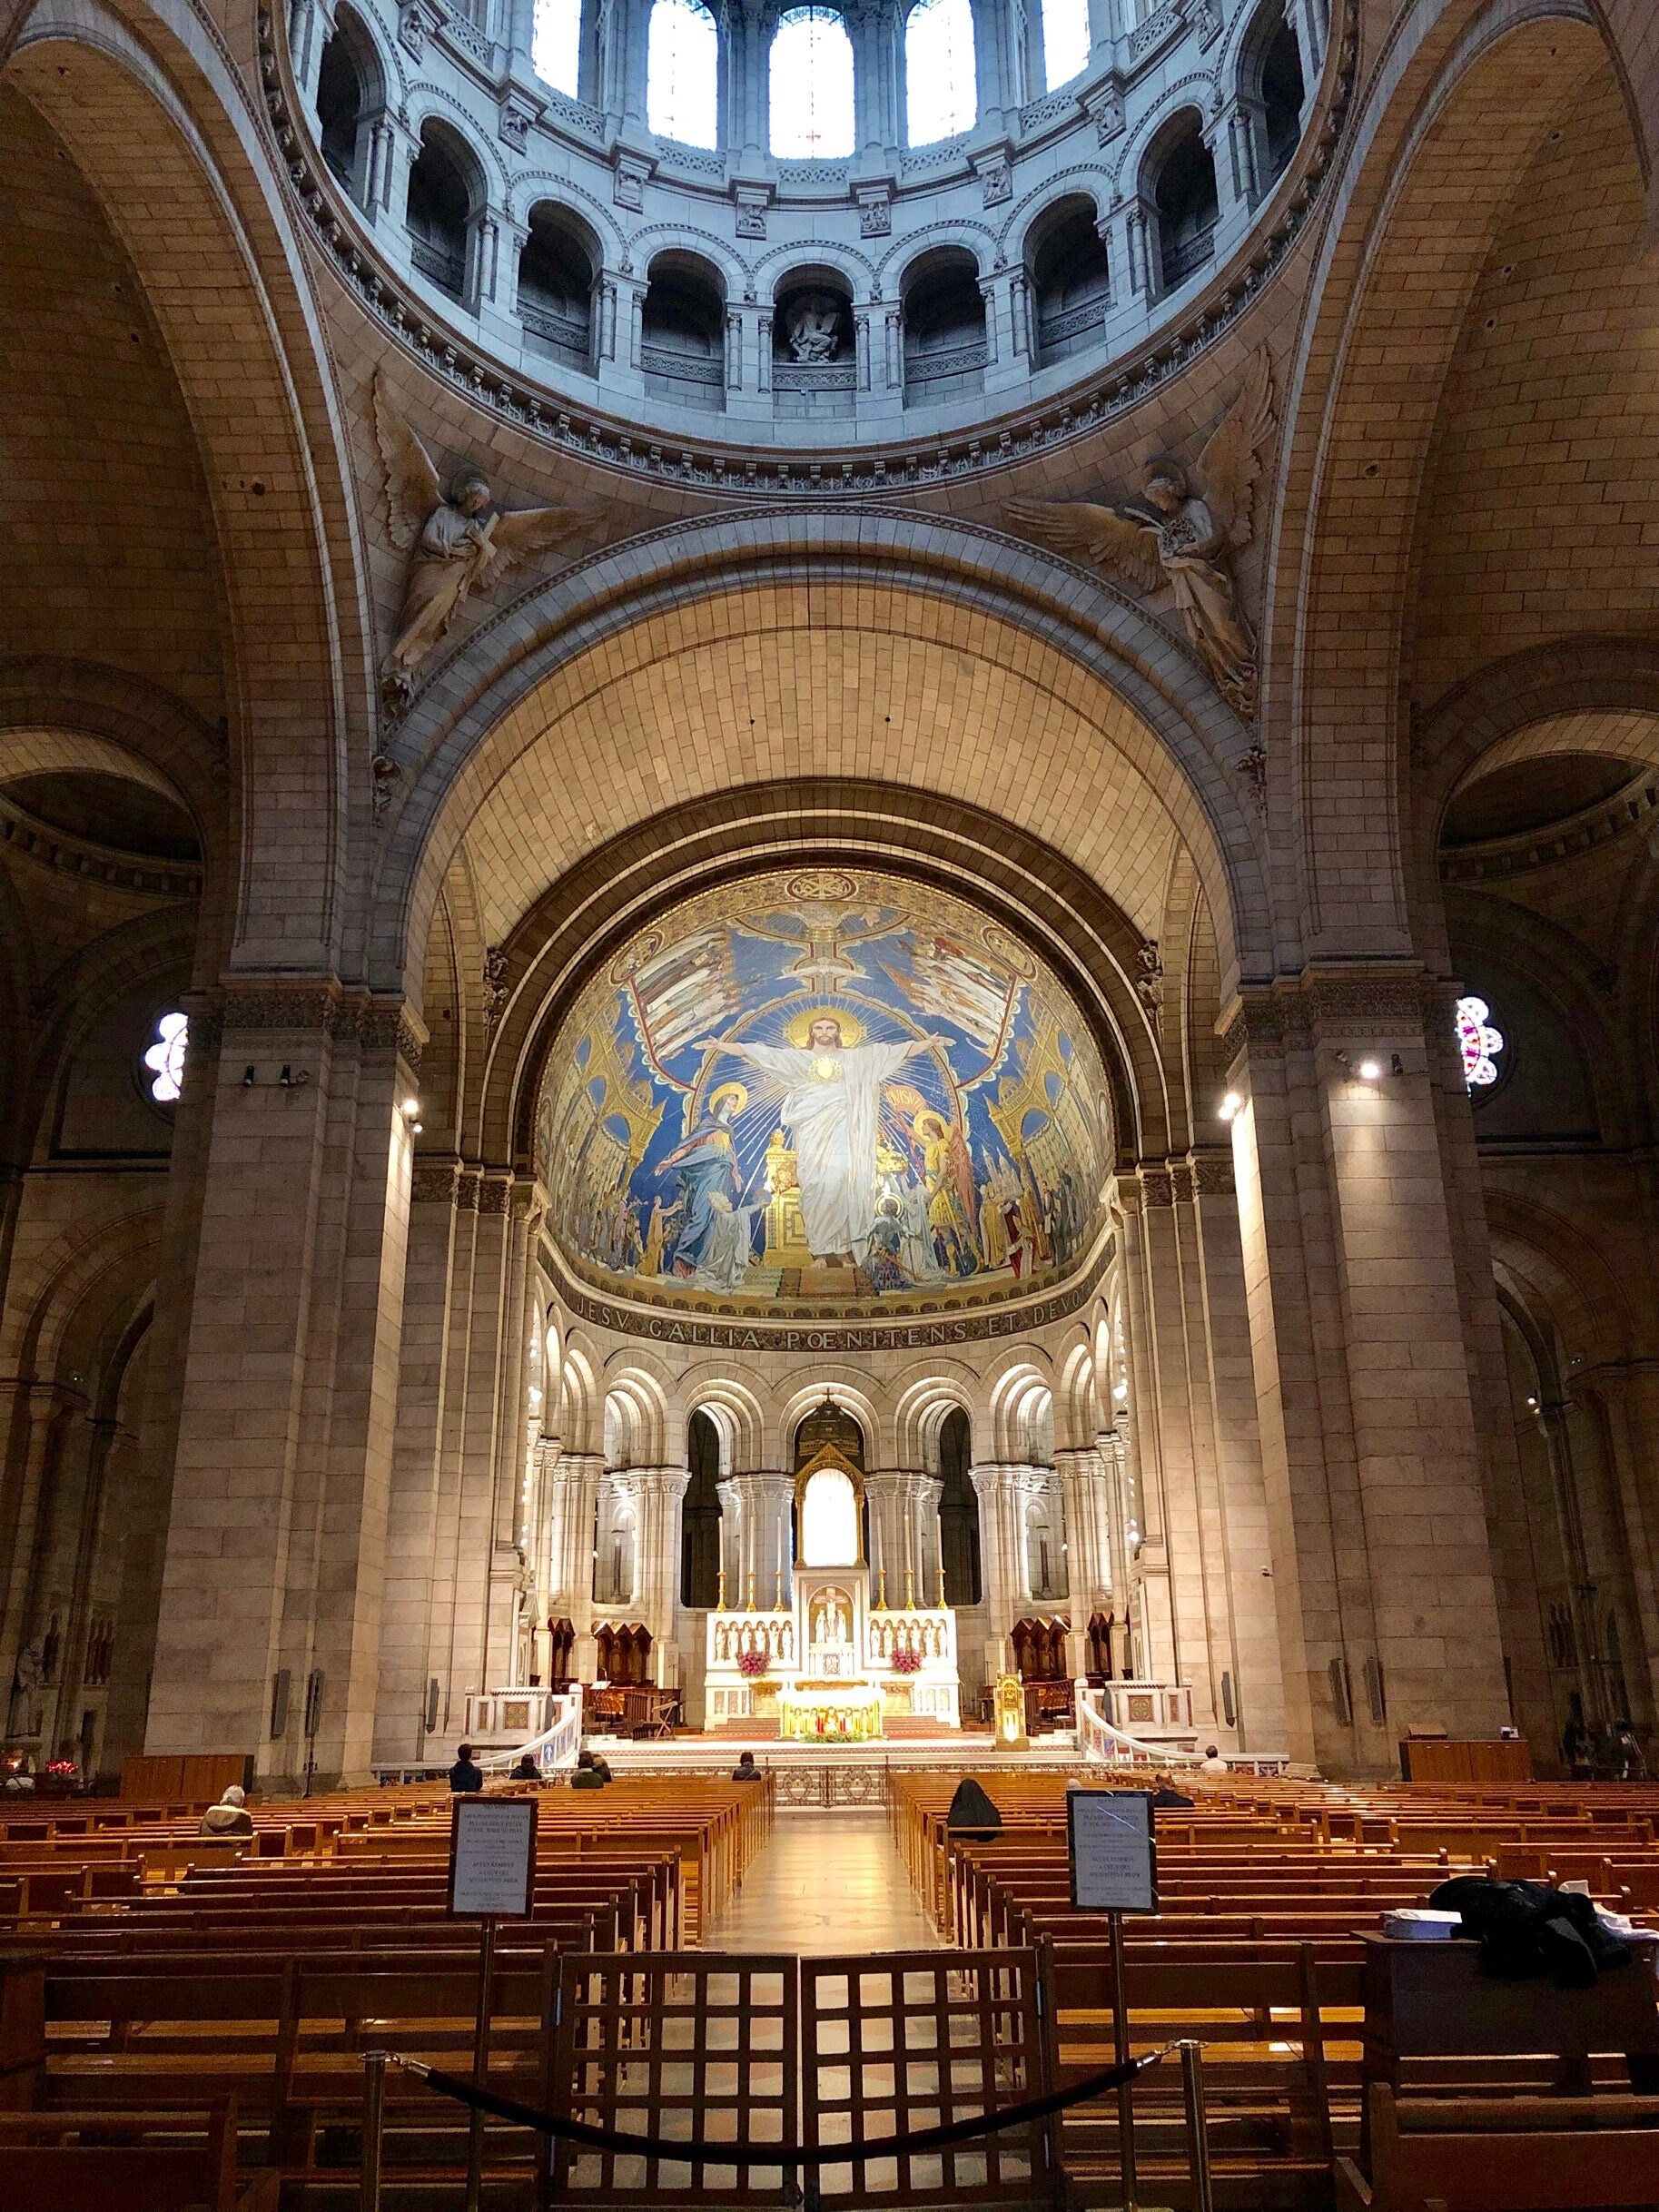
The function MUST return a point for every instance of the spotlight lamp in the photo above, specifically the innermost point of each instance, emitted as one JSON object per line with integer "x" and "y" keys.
{"x": 1230, "y": 1106}
{"x": 412, "y": 1114}
{"x": 1370, "y": 1067}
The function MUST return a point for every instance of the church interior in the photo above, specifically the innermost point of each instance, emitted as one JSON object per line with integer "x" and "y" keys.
{"x": 829, "y": 962}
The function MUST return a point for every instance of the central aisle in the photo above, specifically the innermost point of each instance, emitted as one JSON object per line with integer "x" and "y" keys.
{"x": 826, "y": 1882}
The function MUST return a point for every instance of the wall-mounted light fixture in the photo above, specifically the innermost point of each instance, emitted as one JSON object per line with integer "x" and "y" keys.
{"x": 1231, "y": 1106}
{"x": 1370, "y": 1067}
{"x": 412, "y": 1114}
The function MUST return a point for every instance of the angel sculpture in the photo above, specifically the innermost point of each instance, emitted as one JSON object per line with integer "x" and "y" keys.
{"x": 811, "y": 329}
{"x": 1186, "y": 536}
{"x": 453, "y": 551}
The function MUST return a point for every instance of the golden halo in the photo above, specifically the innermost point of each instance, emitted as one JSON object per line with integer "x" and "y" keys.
{"x": 938, "y": 1121}
{"x": 729, "y": 1090}
{"x": 798, "y": 1028}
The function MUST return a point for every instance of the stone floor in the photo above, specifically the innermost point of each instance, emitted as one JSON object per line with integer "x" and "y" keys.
{"x": 827, "y": 1883}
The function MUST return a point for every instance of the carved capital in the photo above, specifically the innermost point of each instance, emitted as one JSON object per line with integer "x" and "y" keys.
{"x": 1212, "y": 1175}
{"x": 1157, "y": 1187}
{"x": 432, "y": 1183}
{"x": 494, "y": 1193}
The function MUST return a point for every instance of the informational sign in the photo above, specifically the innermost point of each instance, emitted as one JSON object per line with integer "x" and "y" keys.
{"x": 492, "y": 1858}
{"x": 1113, "y": 1850}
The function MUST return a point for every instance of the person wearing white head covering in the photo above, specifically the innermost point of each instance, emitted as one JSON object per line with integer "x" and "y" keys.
{"x": 229, "y": 1816}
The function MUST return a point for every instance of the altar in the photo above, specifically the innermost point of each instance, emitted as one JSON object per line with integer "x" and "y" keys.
{"x": 830, "y": 1660}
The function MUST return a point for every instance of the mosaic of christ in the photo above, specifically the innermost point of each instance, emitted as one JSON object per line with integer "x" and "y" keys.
{"x": 823, "y": 1085}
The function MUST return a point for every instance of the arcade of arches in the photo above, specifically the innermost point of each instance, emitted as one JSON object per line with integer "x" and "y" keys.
{"x": 815, "y": 1076}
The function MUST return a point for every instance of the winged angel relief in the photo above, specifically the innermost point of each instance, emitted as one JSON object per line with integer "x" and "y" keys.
{"x": 455, "y": 546}
{"x": 1185, "y": 536}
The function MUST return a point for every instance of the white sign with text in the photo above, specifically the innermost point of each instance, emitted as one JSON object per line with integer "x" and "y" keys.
{"x": 1114, "y": 1855}
{"x": 492, "y": 1858}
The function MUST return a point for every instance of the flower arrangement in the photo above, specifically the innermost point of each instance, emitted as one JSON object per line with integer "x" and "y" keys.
{"x": 752, "y": 1665}
{"x": 906, "y": 1662}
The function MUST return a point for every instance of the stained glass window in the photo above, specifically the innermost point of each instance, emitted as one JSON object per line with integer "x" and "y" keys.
{"x": 165, "y": 1058}
{"x": 1480, "y": 1042}
{"x": 555, "y": 44}
{"x": 811, "y": 86}
{"x": 683, "y": 72}
{"x": 1065, "y": 40}
{"x": 941, "y": 92}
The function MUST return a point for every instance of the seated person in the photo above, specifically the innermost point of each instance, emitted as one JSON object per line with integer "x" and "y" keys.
{"x": 745, "y": 1768}
{"x": 466, "y": 1775}
{"x": 1166, "y": 1797}
{"x": 1212, "y": 1761}
{"x": 973, "y": 1814}
{"x": 229, "y": 1817}
{"x": 588, "y": 1774}
{"x": 527, "y": 1769}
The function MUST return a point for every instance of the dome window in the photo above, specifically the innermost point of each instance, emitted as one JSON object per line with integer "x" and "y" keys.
{"x": 811, "y": 85}
{"x": 683, "y": 72}
{"x": 556, "y": 278}
{"x": 1070, "y": 281}
{"x": 944, "y": 331}
{"x": 1283, "y": 93}
{"x": 349, "y": 100}
{"x": 1065, "y": 41}
{"x": 439, "y": 210}
{"x": 555, "y": 44}
{"x": 941, "y": 88}
{"x": 165, "y": 1061}
{"x": 1188, "y": 208}
{"x": 683, "y": 335}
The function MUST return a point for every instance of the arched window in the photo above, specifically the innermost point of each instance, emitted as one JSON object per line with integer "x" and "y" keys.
{"x": 1071, "y": 281}
{"x": 958, "y": 1512}
{"x": 556, "y": 269}
{"x": 700, "y": 1516}
{"x": 439, "y": 210}
{"x": 1187, "y": 205}
{"x": 1480, "y": 1044}
{"x": 811, "y": 86}
{"x": 683, "y": 72}
{"x": 1065, "y": 40}
{"x": 941, "y": 90}
{"x": 555, "y": 44}
{"x": 165, "y": 1059}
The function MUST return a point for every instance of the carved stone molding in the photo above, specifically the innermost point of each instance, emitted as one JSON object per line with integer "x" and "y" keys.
{"x": 1158, "y": 1187}
{"x": 433, "y": 1183}
{"x": 1212, "y": 1175}
{"x": 494, "y": 1193}
{"x": 466, "y": 1190}
{"x": 1293, "y": 1014}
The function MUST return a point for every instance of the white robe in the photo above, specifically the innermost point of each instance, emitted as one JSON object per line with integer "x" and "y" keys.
{"x": 833, "y": 1112}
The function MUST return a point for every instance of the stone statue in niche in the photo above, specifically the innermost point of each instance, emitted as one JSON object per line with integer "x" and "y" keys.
{"x": 1185, "y": 535}
{"x": 814, "y": 329}
{"x": 457, "y": 543}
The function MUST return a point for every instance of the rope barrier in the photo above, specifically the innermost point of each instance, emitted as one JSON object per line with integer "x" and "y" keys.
{"x": 696, "y": 2152}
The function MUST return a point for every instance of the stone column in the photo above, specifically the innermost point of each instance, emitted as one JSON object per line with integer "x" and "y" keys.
{"x": 656, "y": 1495}
{"x": 1088, "y": 1503}
{"x": 632, "y": 27}
{"x": 922, "y": 1493}
{"x": 1626, "y": 1399}
{"x": 888, "y": 1493}
{"x": 1003, "y": 1490}
{"x": 276, "y": 1539}
{"x": 997, "y": 63}
{"x": 1381, "y": 1565}
{"x": 765, "y": 1503}
{"x": 310, "y": 25}
{"x": 38, "y": 1419}
{"x": 878, "y": 35}
{"x": 573, "y": 1495}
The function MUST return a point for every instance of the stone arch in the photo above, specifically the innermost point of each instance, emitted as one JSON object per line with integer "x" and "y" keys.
{"x": 1454, "y": 112}
{"x": 642, "y": 1406}
{"x": 920, "y": 1407}
{"x": 738, "y": 1408}
{"x": 849, "y": 1389}
{"x": 1020, "y": 1401}
{"x": 175, "y": 154}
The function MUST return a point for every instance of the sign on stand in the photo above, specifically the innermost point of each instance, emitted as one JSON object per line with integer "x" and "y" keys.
{"x": 1113, "y": 1851}
{"x": 1113, "y": 1855}
{"x": 492, "y": 1877}
{"x": 492, "y": 1858}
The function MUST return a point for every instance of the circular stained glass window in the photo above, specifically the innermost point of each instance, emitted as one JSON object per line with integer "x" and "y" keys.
{"x": 165, "y": 1058}
{"x": 1480, "y": 1041}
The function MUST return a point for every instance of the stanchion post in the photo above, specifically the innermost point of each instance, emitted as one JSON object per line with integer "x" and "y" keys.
{"x": 1198, "y": 2132}
{"x": 374, "y": 2124}
{"x": 480, "y": 2061}
{"x": 1126, "y": 2095}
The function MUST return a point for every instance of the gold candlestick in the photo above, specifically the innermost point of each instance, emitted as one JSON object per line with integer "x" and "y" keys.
{"x": 720, "y": 1602}
{"x": 942, "y": 1606}
{"x": 750, "y": 1589}
{"x": 881, "y": 1589}
{"x": 910, "y": 1589}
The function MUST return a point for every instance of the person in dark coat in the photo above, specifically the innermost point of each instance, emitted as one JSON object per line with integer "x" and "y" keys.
{"x": 527, "y": 1769}
{"x": 745, "y": 1768}
{"x": 973, "y": 1814}
{"x": 587, "y": 1775}
{"x": 466, "y": 1775}
{"x": 1167, "y": 1798}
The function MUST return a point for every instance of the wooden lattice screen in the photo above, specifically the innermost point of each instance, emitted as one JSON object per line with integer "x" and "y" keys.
{"x": 901, "y": 2041}
{"x": 675, "y": 2044}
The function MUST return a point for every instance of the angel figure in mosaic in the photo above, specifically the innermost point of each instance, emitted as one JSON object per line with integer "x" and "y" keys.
{"x": 1185, "y": 533}
{"x": 456, "y": 543}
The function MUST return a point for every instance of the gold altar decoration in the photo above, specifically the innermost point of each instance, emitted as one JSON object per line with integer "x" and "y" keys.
{"x": 830, "y": 1711}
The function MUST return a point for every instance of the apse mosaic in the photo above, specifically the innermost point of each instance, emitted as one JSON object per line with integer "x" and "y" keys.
{"x": 824, "y": 1086}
